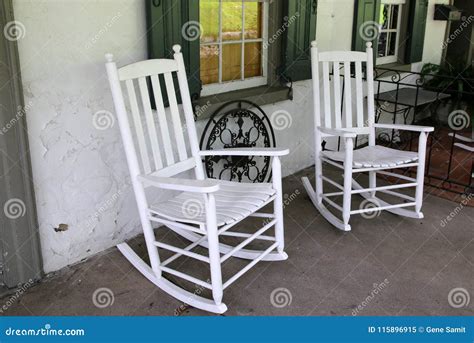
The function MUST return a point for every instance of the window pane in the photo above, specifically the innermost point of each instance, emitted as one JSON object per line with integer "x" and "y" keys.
{"x": 394, "y": 16}
{"x": 383, "y": 21}
{"x": 209, "y": 64}
{"x": 392, "y": 42}
{"x": 382, "y": 44}
{"x": 253, "y": 20}
{"x": 253, "y": 60}
{"x": 231, "y": 20}
{"x": 209, "y": 20}
{"x": 231, "y": 58}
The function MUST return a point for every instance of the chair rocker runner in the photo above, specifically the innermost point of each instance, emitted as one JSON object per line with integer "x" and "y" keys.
{"x": 205, "y": 209}
{"x": 374, "y": 159}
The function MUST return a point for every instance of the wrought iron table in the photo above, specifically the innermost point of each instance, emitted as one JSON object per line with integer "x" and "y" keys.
{"x": 404, "y": 100}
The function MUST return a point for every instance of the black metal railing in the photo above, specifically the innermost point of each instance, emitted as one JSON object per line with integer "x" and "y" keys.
{"x": 418, "y": 94}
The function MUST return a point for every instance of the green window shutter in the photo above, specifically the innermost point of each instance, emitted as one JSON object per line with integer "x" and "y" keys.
{"x": 367, "y": 13}
{"x": 300, "y": 30}
{"x": 416, "y": 30}
{"x": 167, "y": 20}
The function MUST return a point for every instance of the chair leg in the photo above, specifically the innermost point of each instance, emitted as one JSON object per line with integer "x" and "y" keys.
{"x": 318, "y": 166}
{"x": 420, "y": 172}
{"x": 148, "y": 231}
{"x": 346, "y": 203}
{"x": 172, "y": 289}
{"x": 372, "y": 183}
{"x": 278, "y": 204}
{"x": 214, "y": 253}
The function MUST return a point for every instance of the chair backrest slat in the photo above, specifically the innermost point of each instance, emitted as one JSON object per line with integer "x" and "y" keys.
{"x": 163, "y": 123}
{"x": 337, "y": 95}
{"x": 359, "y": 94}
{"x": 327, "y": 95}
{"x": 150, "y": 146}
{"x": 155, "y": 147}
{"x": 347, "y": 92}
{"x": 137, "y": 122}
{"x": 178, "y": 128}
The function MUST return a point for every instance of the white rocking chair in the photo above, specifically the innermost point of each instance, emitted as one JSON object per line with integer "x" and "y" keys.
{"x": 374, "y": 159}
{"x": 205, "y": 209}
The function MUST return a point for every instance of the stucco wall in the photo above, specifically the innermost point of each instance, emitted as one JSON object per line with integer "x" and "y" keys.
{"x": 79, "y": 171}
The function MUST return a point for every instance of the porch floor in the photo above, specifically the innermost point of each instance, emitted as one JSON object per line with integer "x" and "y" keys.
{"x": 387, "y": 265}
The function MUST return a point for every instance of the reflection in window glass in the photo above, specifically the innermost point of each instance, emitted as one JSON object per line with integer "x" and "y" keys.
{"x": 231, "y": 42}
{"x": 389, "y": 21}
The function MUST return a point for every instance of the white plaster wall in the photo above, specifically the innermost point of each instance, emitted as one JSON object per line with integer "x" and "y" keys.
{"x": 334, "y": 24}
{"x": 80, "y": 174}
{"x": 79, "y": 171}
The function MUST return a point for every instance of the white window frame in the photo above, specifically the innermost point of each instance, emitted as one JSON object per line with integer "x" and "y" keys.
{"x": 227, "y": 86}
{"x": 392, "y": 58}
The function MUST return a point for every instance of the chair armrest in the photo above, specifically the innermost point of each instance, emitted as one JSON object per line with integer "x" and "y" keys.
{"x": 461, "y": 137}
{"x": 464, "y": 146}
{"x": 246, "y": 152}
{"x": 184, "y": 185}
{"x": 416, "y": 128}
{"x": 337, "y": 132}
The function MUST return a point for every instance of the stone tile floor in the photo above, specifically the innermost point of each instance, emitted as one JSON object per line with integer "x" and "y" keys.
{"x": 386, "y": 265}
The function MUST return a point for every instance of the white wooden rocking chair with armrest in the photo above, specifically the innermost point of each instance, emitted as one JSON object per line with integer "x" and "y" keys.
{"x": 374, "y": 159}
{"x": 224, "y": 203}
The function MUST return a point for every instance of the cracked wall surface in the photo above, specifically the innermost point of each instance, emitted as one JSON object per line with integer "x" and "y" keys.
{"x": 80, "y": 175}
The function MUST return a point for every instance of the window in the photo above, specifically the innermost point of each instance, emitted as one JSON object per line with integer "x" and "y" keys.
{"x": 390, "y": 30}
{"x": 402, "y": 29}
{"x": 232, "y": 54}
{"x": 241, "y": 45}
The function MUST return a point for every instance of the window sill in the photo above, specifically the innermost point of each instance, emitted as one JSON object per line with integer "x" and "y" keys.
{"x": 262, "y": 95}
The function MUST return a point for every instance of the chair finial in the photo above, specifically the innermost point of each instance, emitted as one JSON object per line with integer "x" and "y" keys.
{"x": 177, "y": 48}
{"x": 368, "y": 44}
{"x": 109, "y": 57}
{"x": 314, "y": 44}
